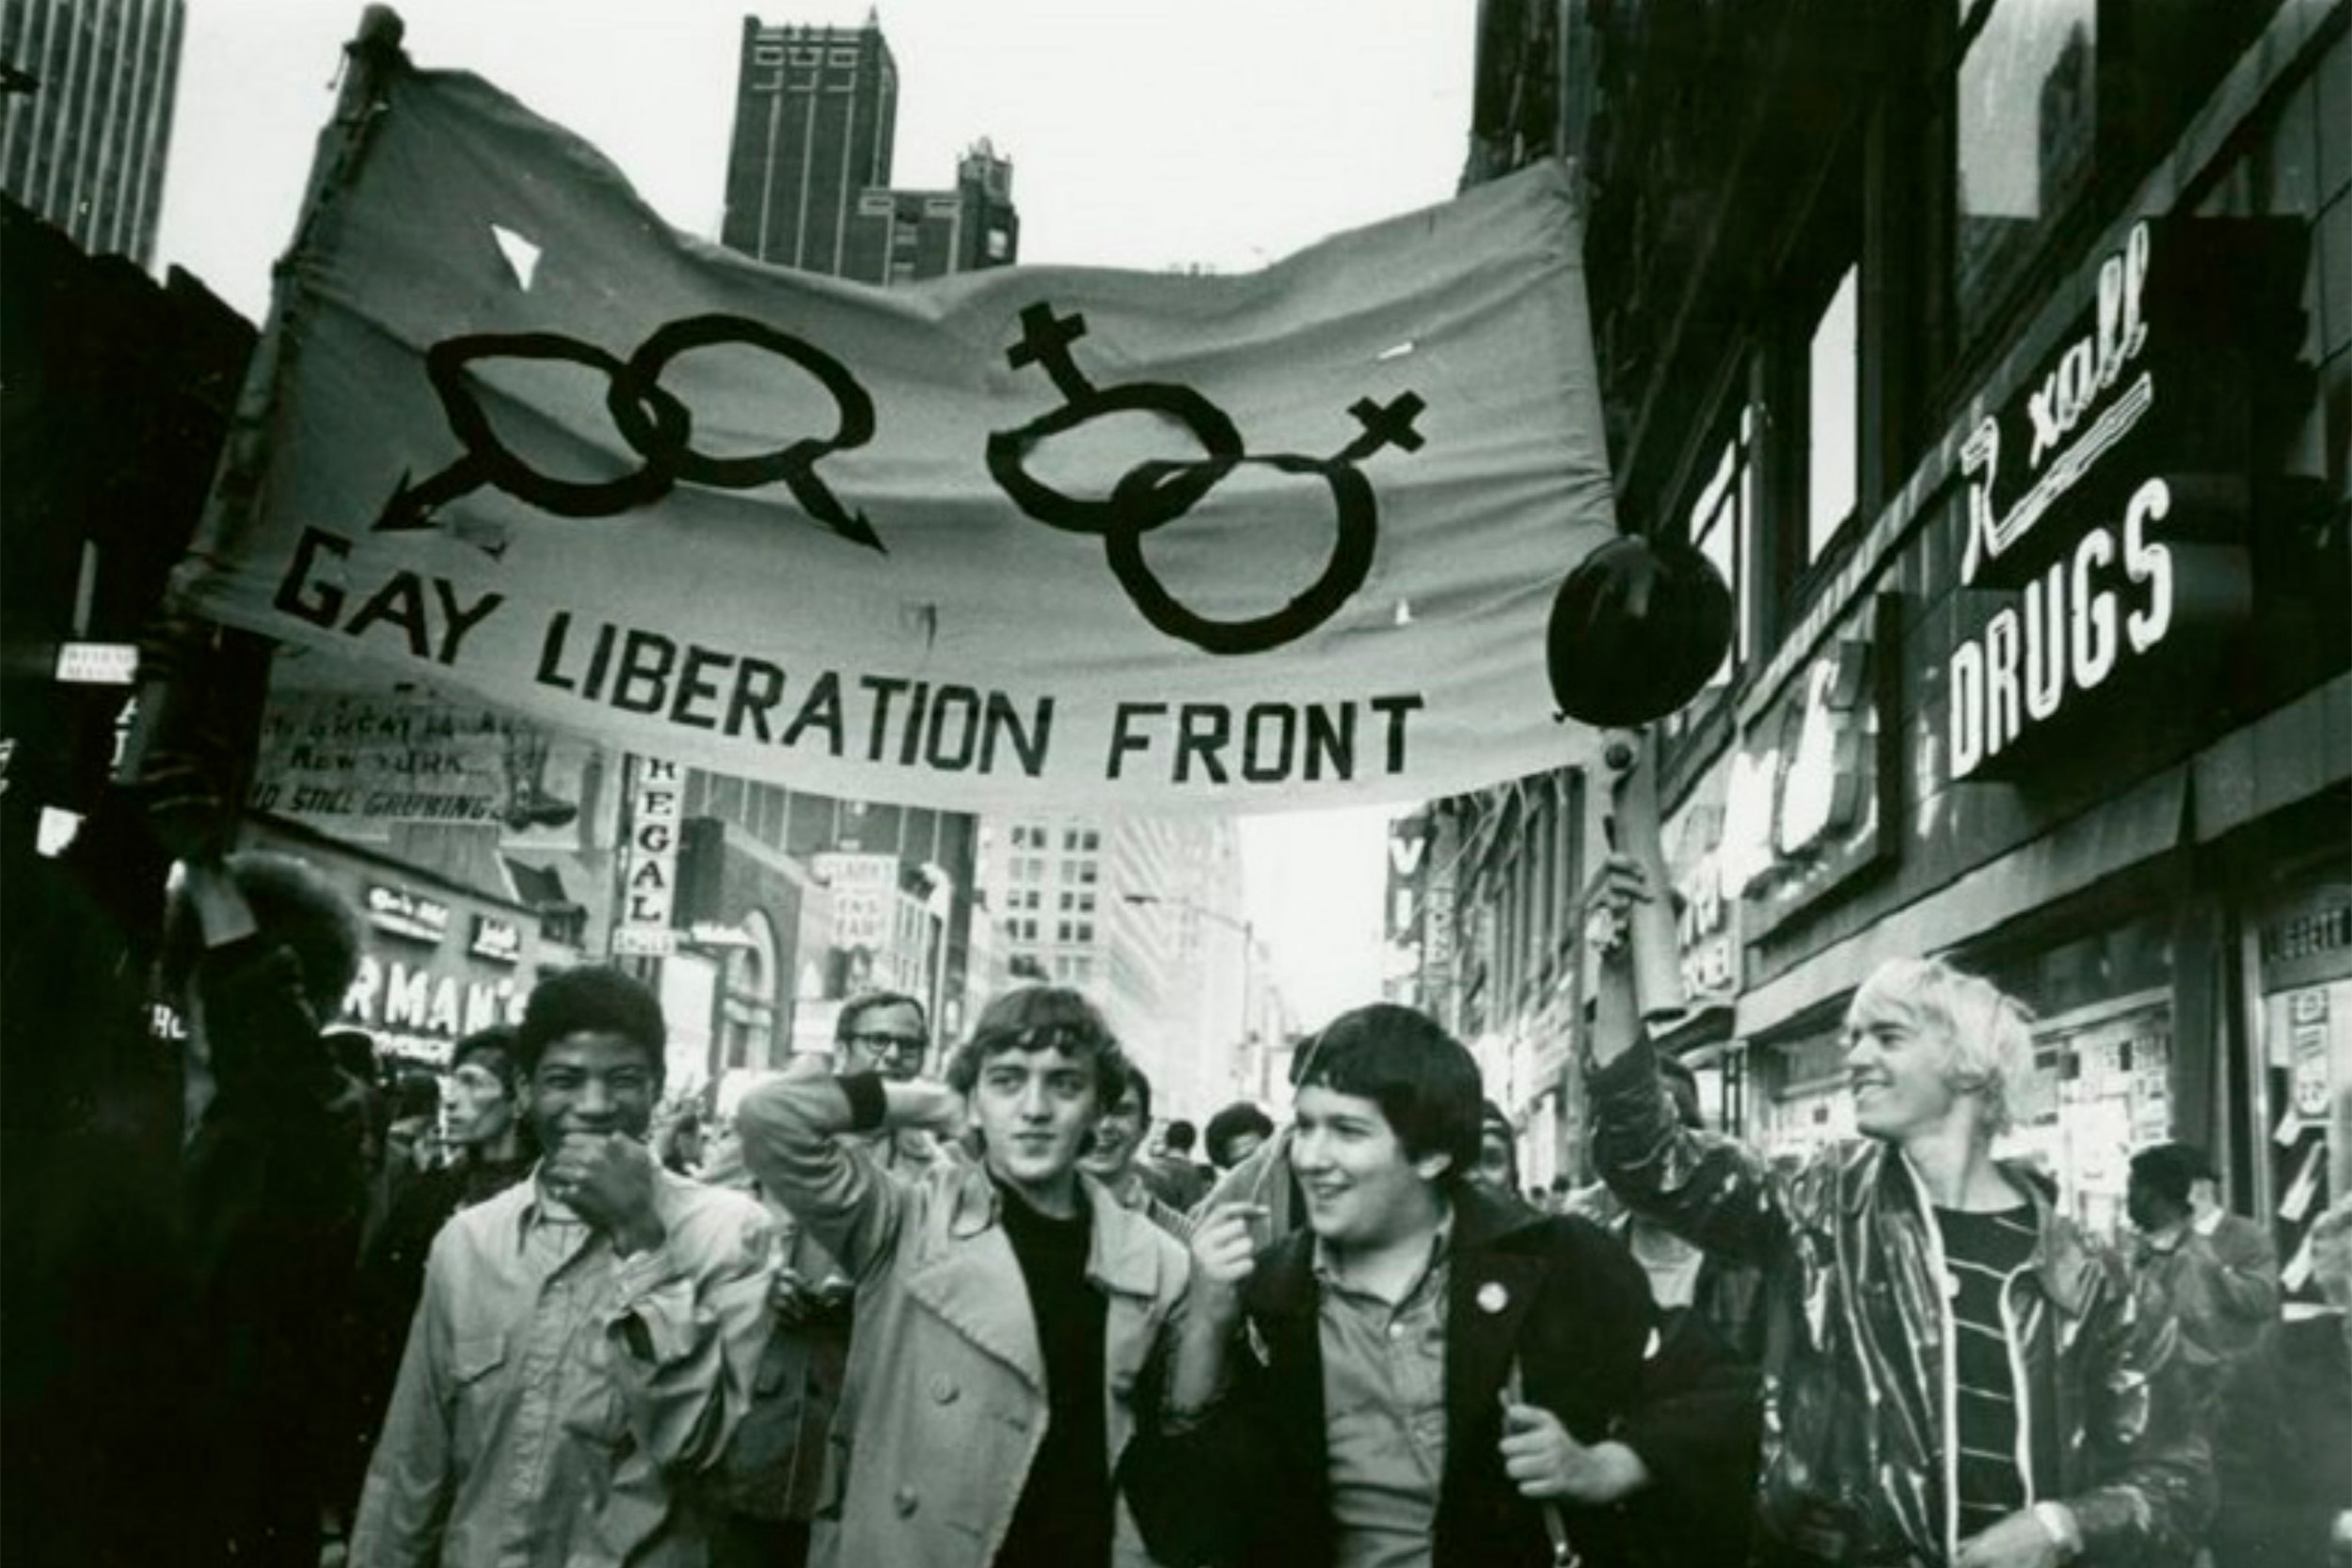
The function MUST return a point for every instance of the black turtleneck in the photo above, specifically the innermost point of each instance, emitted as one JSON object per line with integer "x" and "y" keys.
{"x": 1063, "y": 1519}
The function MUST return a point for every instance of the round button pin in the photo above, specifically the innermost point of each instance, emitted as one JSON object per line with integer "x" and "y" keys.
{"x": 1492, "y": 1297}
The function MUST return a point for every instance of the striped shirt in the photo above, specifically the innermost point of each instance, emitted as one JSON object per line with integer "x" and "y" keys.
{"x": 1982, "y": 1251}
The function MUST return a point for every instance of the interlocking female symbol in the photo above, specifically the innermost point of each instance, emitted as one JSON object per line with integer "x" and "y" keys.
{"x": 1156, "y": 492}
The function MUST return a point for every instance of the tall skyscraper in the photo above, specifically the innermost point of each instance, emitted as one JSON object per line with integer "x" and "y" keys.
{"x": 808, "y": 171}
{"x": 816, "y": 109}
{"x": 85, "y": 98}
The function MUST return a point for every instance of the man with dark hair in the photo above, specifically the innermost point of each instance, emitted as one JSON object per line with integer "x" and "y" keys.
{"x": 1005, "y": 1309}
{"x": 257, "y": 948}
{"x": 491, "y": 1150}
{"x": 2219, "y": 1279}
{"x": 1429, "y": 1374}
{"x": 1235, "y": 1132}
{"x": 1112, "y": 1159}
{"x": 1182, "y": 1182}
{"x": 1498, "y": 1167}
{"x": 586, "y": 1337}
{"x": 884, "y": 1032}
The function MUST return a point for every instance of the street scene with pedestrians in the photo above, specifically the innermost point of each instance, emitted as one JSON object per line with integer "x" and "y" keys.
{"x": 1551, "y": 783}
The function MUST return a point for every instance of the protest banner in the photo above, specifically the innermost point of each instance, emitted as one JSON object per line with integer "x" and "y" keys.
{"x": 1026, "y": 538}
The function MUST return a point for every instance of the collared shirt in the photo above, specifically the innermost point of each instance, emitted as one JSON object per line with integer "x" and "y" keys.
{"x": 1384, "y": 1410}
{"x": 549, "y": 1384}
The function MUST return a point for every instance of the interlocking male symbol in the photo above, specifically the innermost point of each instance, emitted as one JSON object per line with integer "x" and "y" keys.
{"x": 1157, "y": 492}
{"x": 651, "y": 419}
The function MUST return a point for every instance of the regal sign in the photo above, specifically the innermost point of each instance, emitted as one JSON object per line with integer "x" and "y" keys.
{"x": 649, "y": 864}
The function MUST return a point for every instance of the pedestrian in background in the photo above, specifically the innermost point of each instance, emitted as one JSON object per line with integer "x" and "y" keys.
{"x": 1113, "y": 1159}
{"x": 1236, "y": 1132}
{"x": 1498, "y": 1167}
{"x": 492, "y": 1148}
{"x": 257, "y": 948}
{"x": 1184, "y": 1181}
{"x": 2285, "y": 1438}
{"x": 2215, "y": 1273}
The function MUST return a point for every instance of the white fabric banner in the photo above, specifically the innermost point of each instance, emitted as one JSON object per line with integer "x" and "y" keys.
{"x": 1023, "y": 538}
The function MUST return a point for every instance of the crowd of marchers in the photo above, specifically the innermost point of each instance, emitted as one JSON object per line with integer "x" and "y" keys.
{"x": 932, "y": 1303}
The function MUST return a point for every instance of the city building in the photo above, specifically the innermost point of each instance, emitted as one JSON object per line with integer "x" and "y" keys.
{"x": 1145, "y": 915}
{"x": 905, "y": 236}
{"x": 809, "y": 166}
{"x": 816, "y": 109}
{"x": 808, "y": 186}
{"x": 85, "y": 98}
{"x": 1997, "y": 353}
{"x": 881, "y": 897}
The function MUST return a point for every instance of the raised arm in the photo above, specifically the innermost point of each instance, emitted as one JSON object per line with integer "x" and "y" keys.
{"x": 1198, "y": 1475}
{"x": 1712, "y": 1190}
{"x": 792, "y": 1130}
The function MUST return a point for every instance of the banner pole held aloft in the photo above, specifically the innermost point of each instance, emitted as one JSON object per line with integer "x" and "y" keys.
{"x": 1632, "y": 758}
{"x": 370, "y": 61}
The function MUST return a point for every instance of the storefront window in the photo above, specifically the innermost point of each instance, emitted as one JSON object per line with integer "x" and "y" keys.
{"x": 2303, "y": 1104}
{"x": 2100, "y": 1087}
{"x": 1833, "y": 425}
{"x": 1720, "y": 525}
{"x": 1803, "y": 1104}
{"x": 2101, "y": 1082}
{"x": 2027, "y": 126}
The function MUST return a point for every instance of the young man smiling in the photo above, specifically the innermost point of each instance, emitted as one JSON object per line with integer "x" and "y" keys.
{"x": 1962, "y": 1380}
{"x": 1004, "y": 1309}
{"x": 586, "y": 1336}
{"x": 1115, "y": 1157}
{"x": 1429, "y": 1374}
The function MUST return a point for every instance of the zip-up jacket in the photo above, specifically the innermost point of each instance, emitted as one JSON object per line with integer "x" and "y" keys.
{"x": 1861, "y": 1440}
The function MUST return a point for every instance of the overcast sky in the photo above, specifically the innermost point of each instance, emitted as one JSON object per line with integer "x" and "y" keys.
{"x": 1145, "y": 133}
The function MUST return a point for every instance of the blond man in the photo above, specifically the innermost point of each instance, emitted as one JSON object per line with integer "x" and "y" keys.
{"x": 1957, "y": 1377}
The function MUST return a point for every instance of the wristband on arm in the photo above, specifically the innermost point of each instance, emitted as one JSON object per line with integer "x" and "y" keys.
{"x": 869, "y": 1104}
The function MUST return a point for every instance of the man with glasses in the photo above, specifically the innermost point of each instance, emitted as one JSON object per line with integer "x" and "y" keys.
{"x": 585, "y": 1337}
{"x": 884, "y": 1032}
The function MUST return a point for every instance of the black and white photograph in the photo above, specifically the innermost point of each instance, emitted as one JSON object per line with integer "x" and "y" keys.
{"x": 1242, "y": 784}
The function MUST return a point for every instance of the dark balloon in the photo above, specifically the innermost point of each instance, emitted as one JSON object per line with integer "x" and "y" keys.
{"x": 1636, "y": 630}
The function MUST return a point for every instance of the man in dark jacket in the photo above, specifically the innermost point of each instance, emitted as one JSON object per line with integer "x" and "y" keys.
{"x": 1427, "y": 1374}
{"x": 258, "y": 947}
{"x": 1957, "y": 1376}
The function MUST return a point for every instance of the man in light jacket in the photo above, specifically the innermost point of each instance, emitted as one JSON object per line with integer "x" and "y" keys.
{"x": 1005, "y": 1309}
{"x": 587, "y": 1338}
